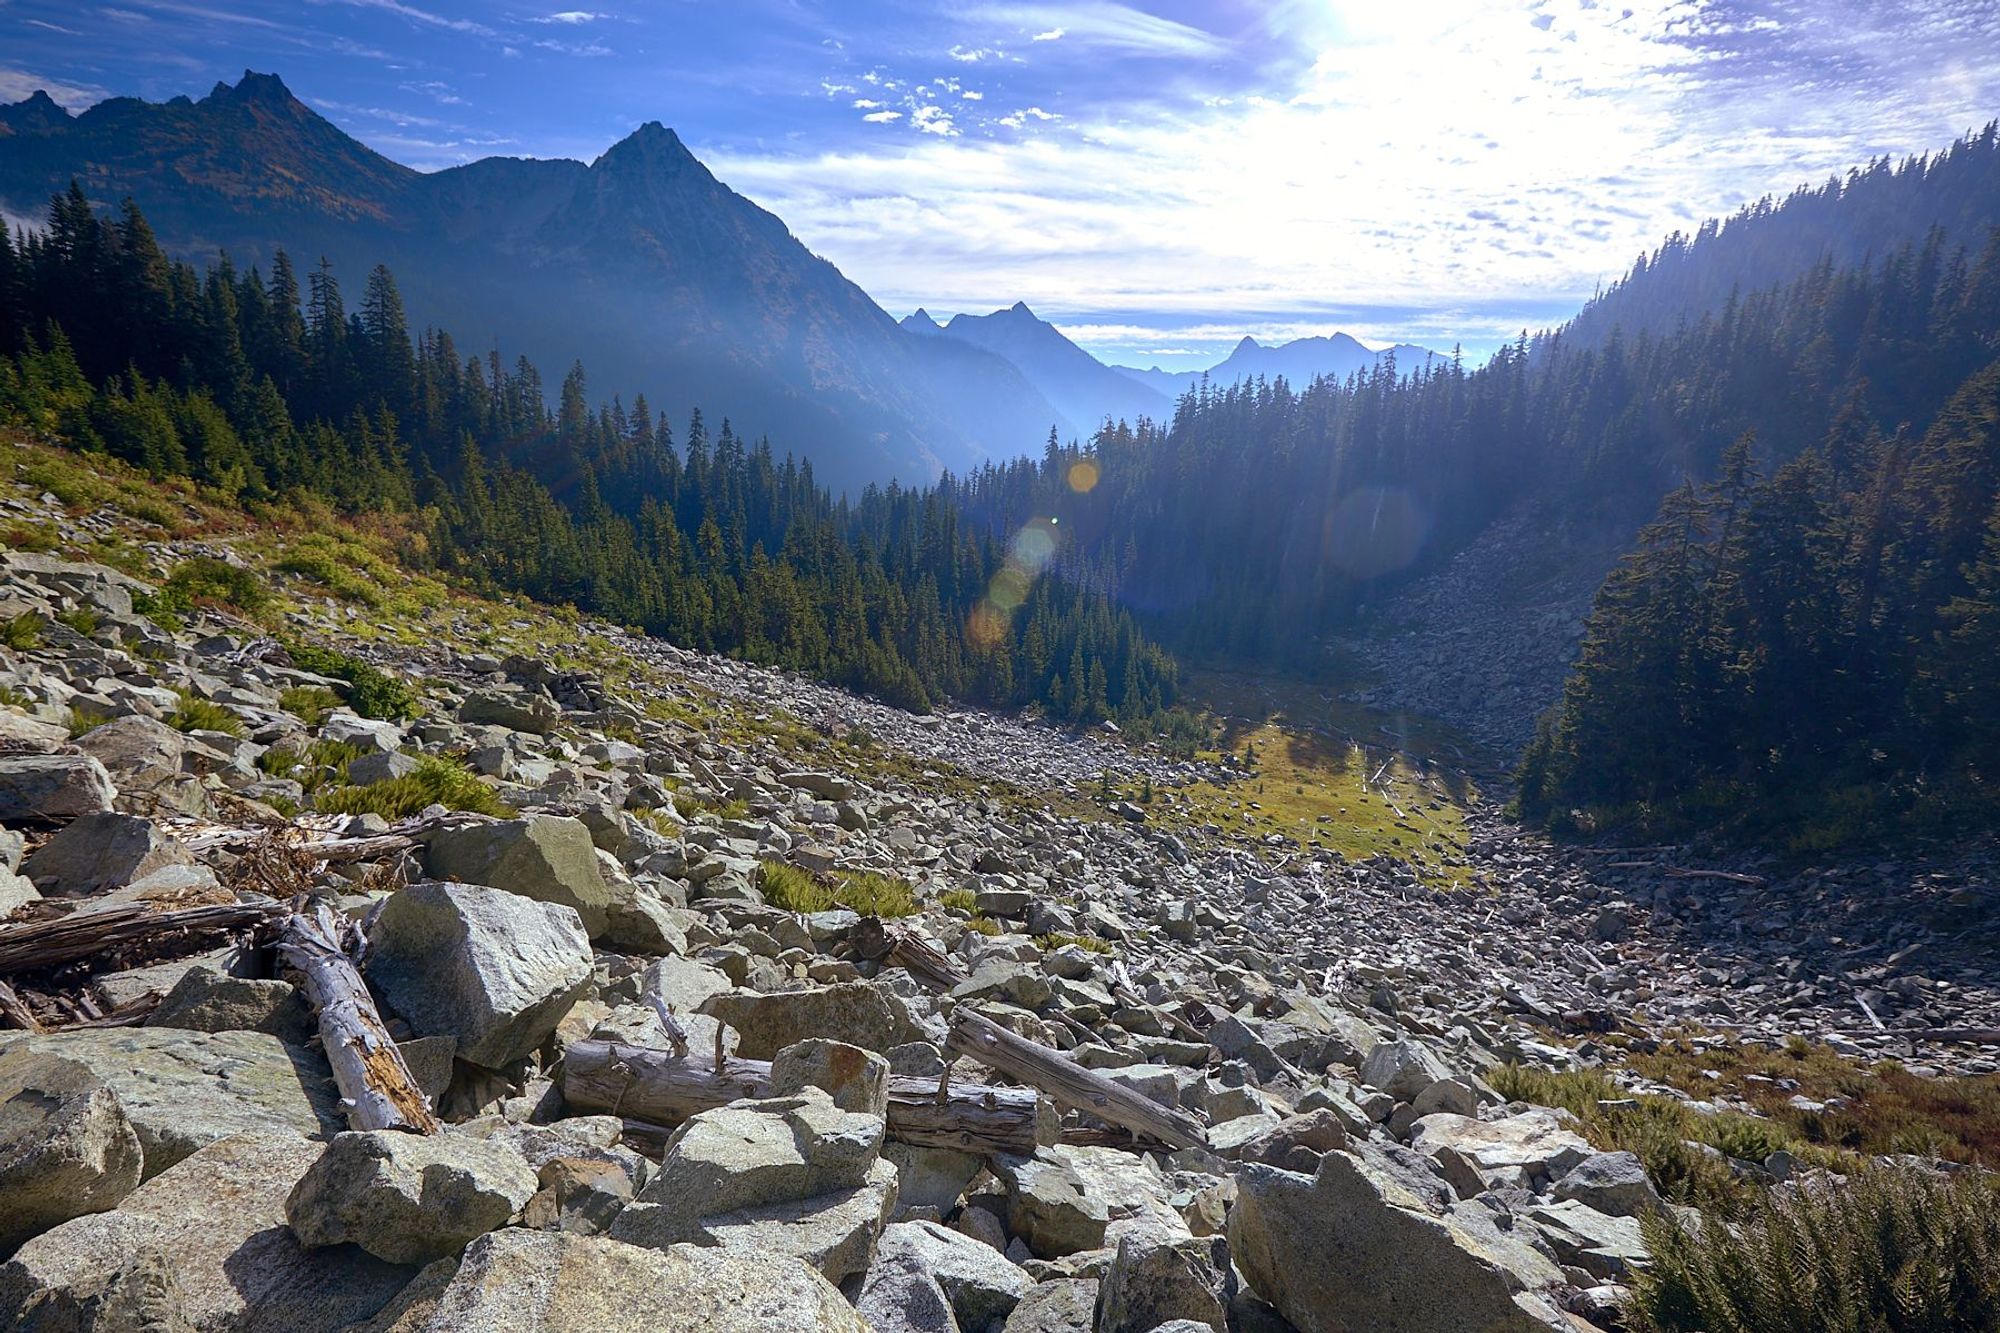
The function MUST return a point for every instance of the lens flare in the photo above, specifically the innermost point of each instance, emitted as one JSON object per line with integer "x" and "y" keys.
{"x": 1376, "y": 530}
{"x": 1083, "y": 476}
{"x": 1028, "y": 554}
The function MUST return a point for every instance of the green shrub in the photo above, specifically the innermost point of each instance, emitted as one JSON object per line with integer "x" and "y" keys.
{"x": 1090, "y": 943}
{"x": 321, "y": 764}
{"x": 797, "y": 890}
{"x": 308, "y": 703}
{"x": 22, "y": 632}
{"x": 370, "y": 692}
{"x": 985, "y": 925}
{"x": 202, "y": 715}
{"x": 83, "y": 619}
{"x": 202, "y": 579}
{"x": 1891, "y": 1250}
{"x": 29, "y": 537}
{"x": 333, "y": 564}
{"x": 83, "y": 718}
{"x": 436, "y": 781}
{"x": 965, "y": 900}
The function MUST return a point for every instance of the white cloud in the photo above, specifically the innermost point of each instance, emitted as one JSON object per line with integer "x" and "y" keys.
{"x": 1101, "y": 25}
{"x": 865, "y": 104}
{"x": 882, "y": 117}
{"x": 571, "y": 16}
{"x": 970, "y": 95}
{"x": 18, "y": 84}
{"x": 424, "y": 17}
{"x": 972, "y": 55}
{"x": 1452, "y": 158}
{"x": 933, "y": 120}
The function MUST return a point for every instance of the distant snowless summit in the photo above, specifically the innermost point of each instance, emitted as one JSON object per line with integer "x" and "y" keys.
{"x": 1299, "y": 361}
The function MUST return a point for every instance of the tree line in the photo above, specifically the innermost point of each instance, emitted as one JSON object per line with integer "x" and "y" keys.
{"x": 258, "y": 385}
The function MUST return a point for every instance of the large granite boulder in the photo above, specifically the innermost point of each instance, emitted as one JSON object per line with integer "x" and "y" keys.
{"x": 921, "y": 1267}
{"x": 549, "y": 858}
{"x": 491, "y": 969}
{"x": 519, "y": 1281}
{"x": 202, "y": 1246}
{"x": 1526, "y": 1150}
{"x": 181, "y": 1090}
{"x": 516, "y": 710}
{"x": 52, "y": 788}
{"x": 1352, "y": 1248}
{"x": 409, "y": 1198}
{"x": 100, "y": 851}
{"x": 66, "y": 1147}
{"x": 853, "y": 1012}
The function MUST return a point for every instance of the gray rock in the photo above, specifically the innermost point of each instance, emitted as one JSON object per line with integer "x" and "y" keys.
{"x": 1614, "y": 1183}
{"x": 518, "y": 1281}
{"x": 1297, "y": 1143}
{"x": 181, "y": 1090}
{"x": 50, "y": 788}
{"x": 545, "y": 857}
{"x": 101, "y": 851}
{"x": 1058, "y": 1305}
{"x": 917, "y": 1264}
{"x": 792, "y": 1175}
{"x": 16, "y": 892}
{"x": 1403, "y": 1069}
{"x": 203, "y": 1246}
{"x": 206, "y": 1000}
{"x": 408, "y": 1198}
{"x": 1156, "y": 1279}
{"x": 1350, "y": 1248}
{"x": 857, "y": 1080}
{"x": 1062, "y": 1199}
{"x": 854, "y": 1012}
{"x": 66, "y": 1148}
{"x": 1608, "y": 1248}
{"x": 931, "y": 1177}
{"x": 516, "y": 710}
{"x": 370, "y": 733}
{"x": 491, "y": 969}
{"x": 381, "y": 766}
{"x": 142, "y": 754}
{"x": 1524, "y": 1150}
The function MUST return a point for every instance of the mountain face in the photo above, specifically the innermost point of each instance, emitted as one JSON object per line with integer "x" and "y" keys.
{"x": 1077, "y": 384}
{"x": 643, "y": 265}
{"x": 1300, "y": 362}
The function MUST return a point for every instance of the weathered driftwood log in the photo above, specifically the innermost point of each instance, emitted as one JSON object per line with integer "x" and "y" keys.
{"x": 40, "y": 944}
{"x": 650, "y": 1084}
{"x": 16, "y": 1011}
{"x": 876, "y": 939}
{"x": 376, "y": 1088}
{"x": 974, "y": 1035}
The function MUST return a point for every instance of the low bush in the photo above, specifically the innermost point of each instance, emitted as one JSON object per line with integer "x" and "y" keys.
{"x": 370, "y": 692}
{"x": 308, "y": 703}
{"x": 195, "y": 714}
{"x": 22, "y": 632}
{"x": 797, "y": 890}
{"x": 437, "y": 781}
{"x": 203, "y": 580}
{"x": 1893, "y": 1250}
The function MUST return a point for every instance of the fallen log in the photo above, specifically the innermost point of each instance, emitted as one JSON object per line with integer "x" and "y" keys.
{"x": 41, "y": 944}
{"x": 1069, "y": 1083}
{"x": 16, "y": 1011}
{"x": 376, "y": 1088}
{"x": 646, "y": 1083}
{"x": 936, "y": 971}
{"x": 1733, "y": 877}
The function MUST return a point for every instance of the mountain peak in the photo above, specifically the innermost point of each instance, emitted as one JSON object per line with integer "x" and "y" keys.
{"x": 1020, "y": 308}
{"x": 255, "y": 88}
{"x": 921, "y": 320}
{"x": 651, "y": 147}
{"x": 34, "y": 112}
{"x": 1248, "y": 344}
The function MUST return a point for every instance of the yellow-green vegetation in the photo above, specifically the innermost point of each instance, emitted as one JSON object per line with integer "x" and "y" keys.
{"x": 93, "y": 483}
{"x": 28, "y": 537}
{"x": 83, "y": 619}
{"x": 370, "y": 692}
{"x": 83, "y": 718}
{"x": 964, "y": 900}
{"x": 308, "y": 703}
{"x": 1871, "y": 1109}
{"x": 195, "y": 714}
{"x": 22, "y": 632}
{"x": 1666, "y": 1134}
{"x": 985, "y": 925}
{"x": 204, "y": 580}
{"x": 1891, "y": 1250}
{"x": 436, "y": 781}
{"x": 1091, "y": 943}
{"x": 798, "y": 890}
{"x": 320, "y": 764}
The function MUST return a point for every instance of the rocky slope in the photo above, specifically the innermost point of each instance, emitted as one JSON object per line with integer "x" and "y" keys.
{"x": 172, "y": 1154}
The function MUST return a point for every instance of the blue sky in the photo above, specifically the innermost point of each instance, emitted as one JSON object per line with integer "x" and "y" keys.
{"x": 1159, "y": 178}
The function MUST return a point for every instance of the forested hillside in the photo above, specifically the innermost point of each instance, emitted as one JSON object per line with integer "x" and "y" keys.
{"x": 258, "y": 385}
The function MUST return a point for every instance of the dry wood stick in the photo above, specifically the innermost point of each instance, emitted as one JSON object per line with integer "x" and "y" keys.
{"x": 1069, "y": 1083}
{"x": 375, "y": 1084}
{"x": 16, "y": 1011}
{"x": 650, "y": 1084}
{"x": 40, "y": 944}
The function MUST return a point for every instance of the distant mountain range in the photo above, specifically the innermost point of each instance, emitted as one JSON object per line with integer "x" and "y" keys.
{"x": 641, "y": 264}
{"x": 1299, "y": 362}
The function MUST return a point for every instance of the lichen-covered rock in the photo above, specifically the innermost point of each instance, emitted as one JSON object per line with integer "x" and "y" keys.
{"x": 919, "y": 1265}
{"x": 549, "y": 858}
{"x": 854, "y": 1012}
{"x": 516, "y": 710}
{"x": 520, "y": 1281}
{"x": 202, "y": 1246}
{"x": 409, "y": 1198}
{"x": 1157, "y": 1279}
{"x": 182, "y": 1090}
{"x": 207, "y": 1000}
{"x": 494, "y": 970}
{"x": 99, "y": 851}
{"x": 857, "y": 1080}
{"x": 66, "y": 1147}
